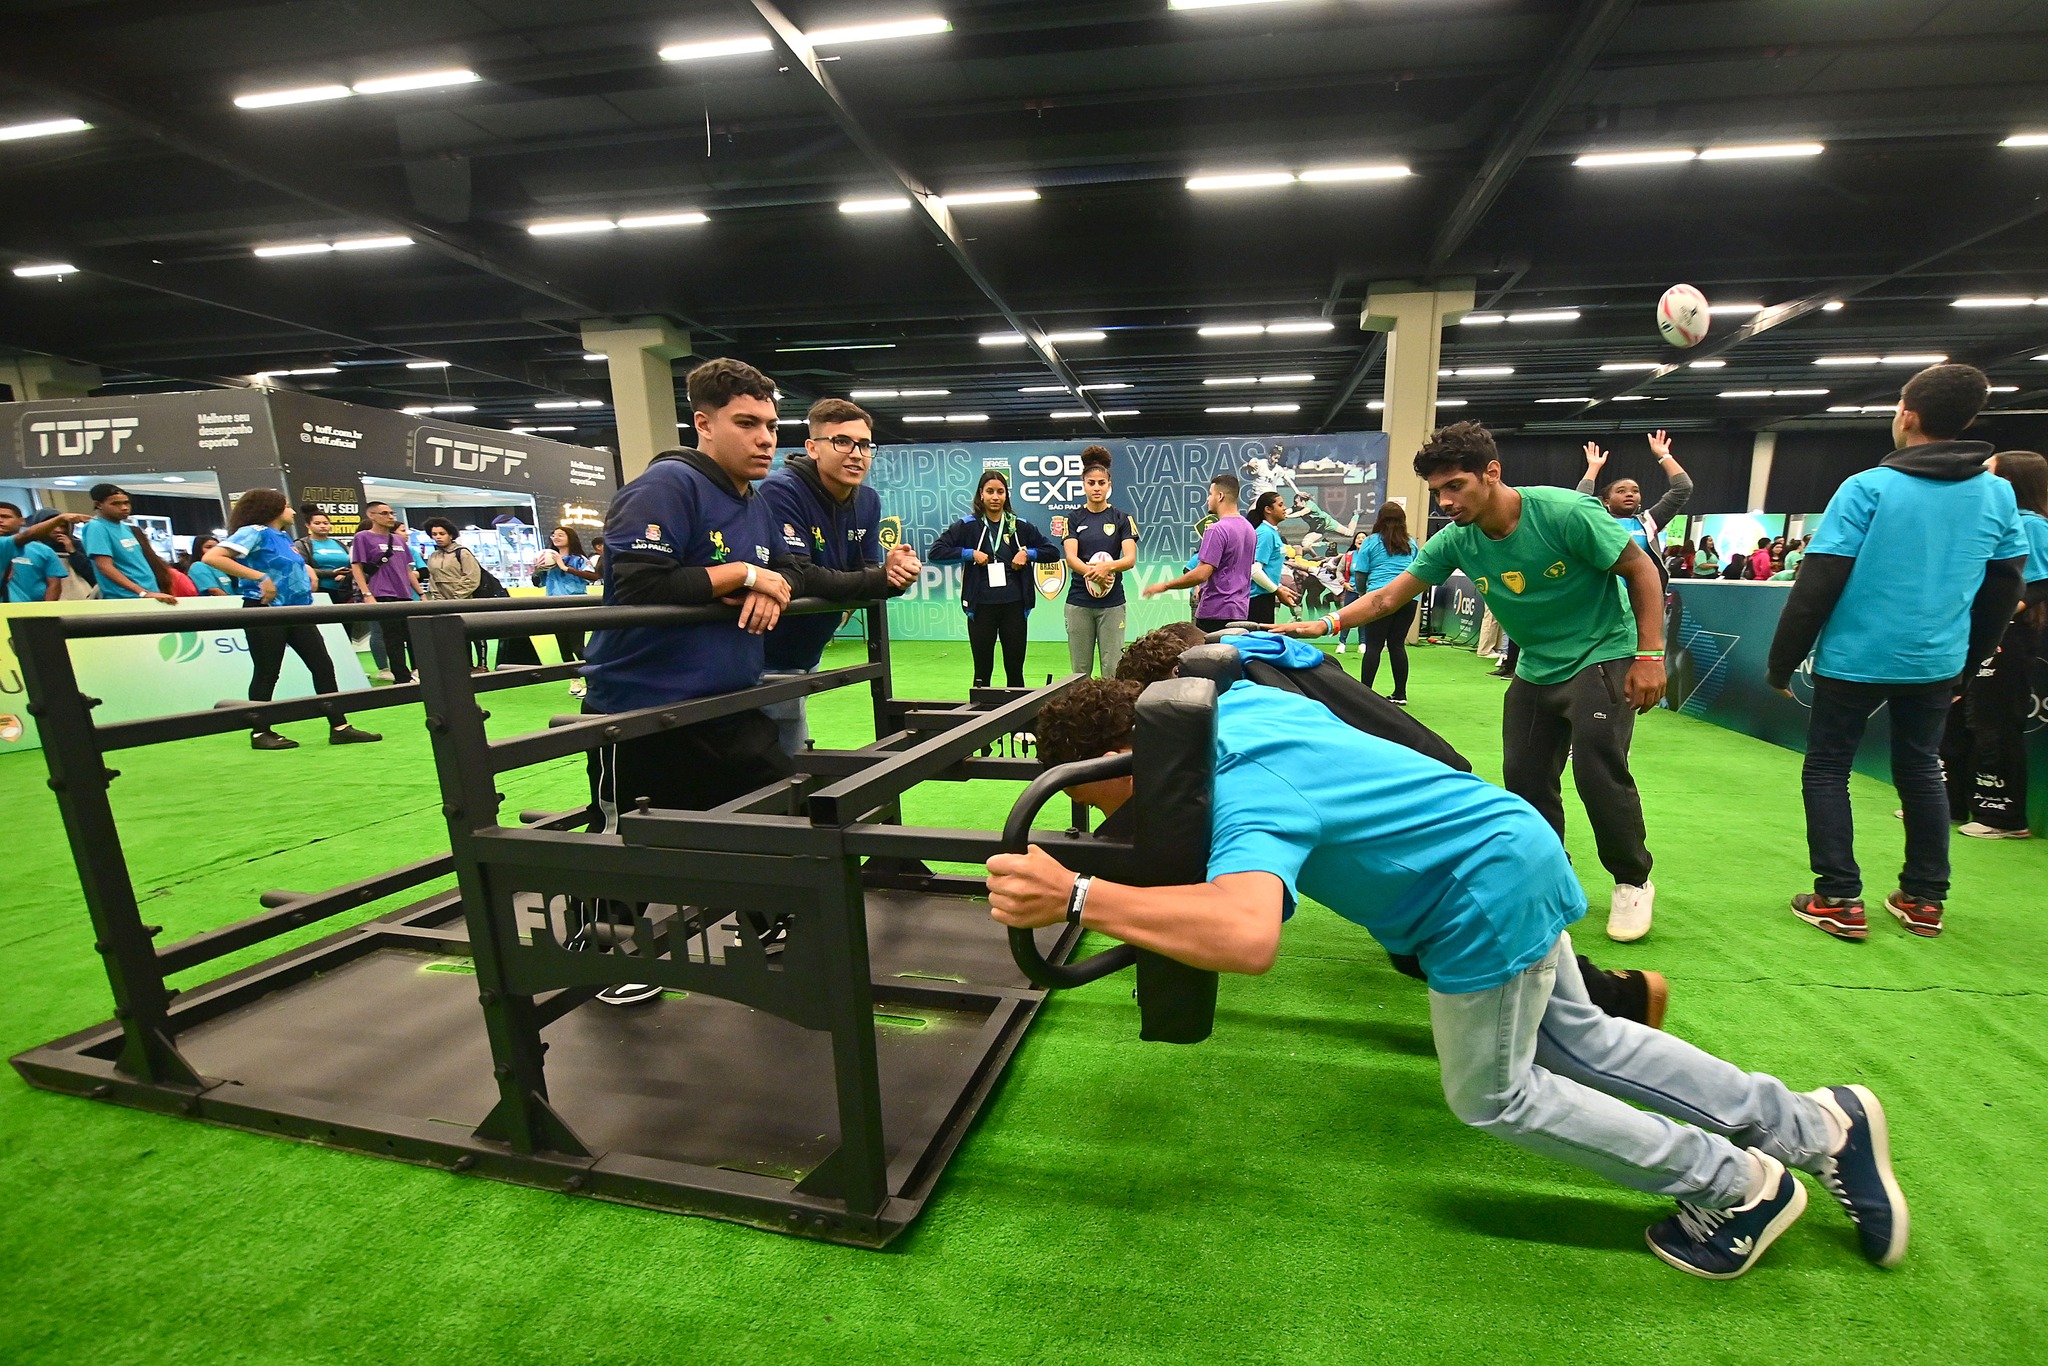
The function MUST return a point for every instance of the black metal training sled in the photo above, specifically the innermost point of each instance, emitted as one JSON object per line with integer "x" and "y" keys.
{"x": 834, "y": 1012}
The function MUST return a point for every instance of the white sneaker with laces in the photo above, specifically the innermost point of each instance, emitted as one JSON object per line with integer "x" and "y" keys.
{"x": 1628, "y": 916}
{"x": 1977, "y": 830}
{"x": 1340, "y": 647}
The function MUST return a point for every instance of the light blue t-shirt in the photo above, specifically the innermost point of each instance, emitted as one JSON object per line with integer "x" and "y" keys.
{"x": 34, "y": 565}
{"x": 1271, "y": 554}
{"x": 1920, "y": 547}
{"x": 204, "y": 577}
{"x": 2035, "y": 527}
{"x": 271, "y": 552}
{"x": 1433, "y": 862}
{"x": 1375, "y": 566}
{"x": 557, "y": 582}
{"x": 123, "y": 545}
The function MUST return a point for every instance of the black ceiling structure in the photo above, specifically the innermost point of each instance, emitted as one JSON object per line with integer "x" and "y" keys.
{"x": 1106, "y": 110}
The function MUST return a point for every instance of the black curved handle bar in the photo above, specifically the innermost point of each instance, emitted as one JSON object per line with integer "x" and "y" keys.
{"x": 1017, "y": 839}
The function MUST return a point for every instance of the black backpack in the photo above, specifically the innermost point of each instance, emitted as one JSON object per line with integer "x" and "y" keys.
{"x": 487, "y": 585}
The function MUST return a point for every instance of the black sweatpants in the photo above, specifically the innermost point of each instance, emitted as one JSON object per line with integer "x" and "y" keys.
{"x": 691, "y": 769}
{"x": 397, "y": 644}
{"x": 1261, "y": 609}
{"x": 570, "y": 643}
{"x": 1389, "y": 633}
{"x": 987, "y": 623}
{"x": 267, "y": 645}
{"x": 1587, "y": 717}
{"x": 1984, "y": 753}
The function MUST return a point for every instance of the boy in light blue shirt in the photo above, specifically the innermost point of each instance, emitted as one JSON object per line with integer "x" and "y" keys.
{"x": 1908, "y": 585}
{"x": 1473, "y": 881}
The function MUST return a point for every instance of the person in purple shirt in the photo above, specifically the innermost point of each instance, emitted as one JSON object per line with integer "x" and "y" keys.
{"x": 1223, "y": 566}
{"x": 381, "y": 559}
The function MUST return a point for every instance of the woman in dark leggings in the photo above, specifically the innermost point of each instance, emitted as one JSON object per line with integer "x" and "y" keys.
{"x": 1375, "y": 564}
{"x": 997, "y": 589}
{"x": 267, "y": 567}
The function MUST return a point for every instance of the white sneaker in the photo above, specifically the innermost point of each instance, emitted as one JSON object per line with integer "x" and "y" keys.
{"x": 1977, "y": 830}
{"x": 1340, "y": 647}
{"x": 1628, "y": 917}
{"x": 578, "y": 687}
{"x": 382, "y": 675}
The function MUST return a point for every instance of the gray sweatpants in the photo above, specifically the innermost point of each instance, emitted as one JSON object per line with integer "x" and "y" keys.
{"x": 1093, "y": 629}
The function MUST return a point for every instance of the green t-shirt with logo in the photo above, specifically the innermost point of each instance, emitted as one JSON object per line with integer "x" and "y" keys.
{"x": 1551, "y": 581}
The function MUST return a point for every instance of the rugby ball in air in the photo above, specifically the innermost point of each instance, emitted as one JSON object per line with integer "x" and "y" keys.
{"x": 1097, "y": 587}
{"x": 1682, "y": 316}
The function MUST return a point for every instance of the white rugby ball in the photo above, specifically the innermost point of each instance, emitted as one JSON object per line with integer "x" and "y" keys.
{"x": 1099, "y": 587}
{"x": 1682, "y": 316}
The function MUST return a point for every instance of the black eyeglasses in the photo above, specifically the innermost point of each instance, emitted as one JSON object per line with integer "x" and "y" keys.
{"x": 847, "y": 445}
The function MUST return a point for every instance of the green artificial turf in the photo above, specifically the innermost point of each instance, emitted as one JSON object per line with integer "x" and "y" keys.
{"x": 1291, "y": 1190}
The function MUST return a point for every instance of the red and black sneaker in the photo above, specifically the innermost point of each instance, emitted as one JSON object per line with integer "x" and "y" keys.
{"x": 1919, "y": 917}
{"x": 1841, "y": 917}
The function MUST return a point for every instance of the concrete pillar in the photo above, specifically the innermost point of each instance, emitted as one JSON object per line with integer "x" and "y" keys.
{"x": 1760, "y": 456}
{"x": 1414, "y": 318}
{"x": 36, "y": 377}
{"x": 638, "y": 353}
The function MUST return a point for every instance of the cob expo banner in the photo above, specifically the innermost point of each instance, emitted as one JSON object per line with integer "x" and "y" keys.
{"x": 1333, "y": 486}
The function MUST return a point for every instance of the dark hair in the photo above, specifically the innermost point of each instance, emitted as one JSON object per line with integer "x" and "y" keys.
{"x": 836, "y": 410}
{"x": 193, "y": 556}
{"x": 158, "y": 570}
{"x": 1154, "y": 655}
{"x": 1095, "y": 457}
{"x": 257, "y": 507}
{"x": 1088, "y": 720}
{"x": 1261, "y": 503}
{"x": 99, "y": 493}
{"x": 1466, "y": 446}
{"x": 1391, "y": 526}
{"x": 1946, "y": 397}
{"x": 308, "y": 511}
{"x": 1228, "y": 483}
{"x": 1763, "y": 543}
{"x": 716, "y": 383}
{"x": 432, "y": 522}
{"x": 575, "y": 541}
{"x": 13, "y": 509}
{"x": 982, "y": 483}
{"x": 2027, "y": 472}
{"x": 377, "y": 503}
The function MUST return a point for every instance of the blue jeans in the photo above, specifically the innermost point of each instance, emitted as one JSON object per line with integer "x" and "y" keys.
{"x": 792, "y": 723}
{"x": 1344, "y": 636}
{"x": 1533, "y": 1061}
{"x": 1840, "y": 713}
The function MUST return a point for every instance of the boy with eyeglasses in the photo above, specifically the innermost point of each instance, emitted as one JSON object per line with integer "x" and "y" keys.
{"x": 831, "y": 520}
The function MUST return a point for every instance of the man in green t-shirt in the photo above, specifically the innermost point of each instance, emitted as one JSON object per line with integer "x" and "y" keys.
{"x": 1547, "y": 562}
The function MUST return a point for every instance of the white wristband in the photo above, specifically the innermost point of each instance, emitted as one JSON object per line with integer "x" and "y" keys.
{"x": 752, "y": 574}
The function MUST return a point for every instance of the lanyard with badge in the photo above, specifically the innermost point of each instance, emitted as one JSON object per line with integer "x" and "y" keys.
{"x": 998, "y": 572}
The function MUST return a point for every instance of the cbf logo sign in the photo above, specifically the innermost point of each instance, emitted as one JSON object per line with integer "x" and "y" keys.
{"x": 447, "y": 453}
{"x": 54, "y": 440}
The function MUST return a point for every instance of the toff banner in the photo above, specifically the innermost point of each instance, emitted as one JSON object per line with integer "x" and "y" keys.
{"x": 1719, "y": 634}
{"x": 1333, "y": 486}
{"x": 160, "y": 674}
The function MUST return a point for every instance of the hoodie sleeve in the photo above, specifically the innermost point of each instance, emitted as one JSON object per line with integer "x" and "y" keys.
{"x": 1034, "y": 542}
{"x": 1997, "y": 599}
{"x": 1674, "y": 500}
{"x": 1807, "y": 609}
{"x": 953, "y": 542}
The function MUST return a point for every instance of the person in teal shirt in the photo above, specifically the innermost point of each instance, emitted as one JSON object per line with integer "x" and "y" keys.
{"x": 35, "y": 572}
{"x": 1386, "y": 552}
{"x": 326, "y": 556}
{"x": 1269, "y": 560}
{"x": 1547, "y": 561}
{"x": 1443, "y": 865}
{"x": 209, "y": 581}
{"x": 118, "y": 560}
{"x": 563, "y": 571}
{"x": 268, "y": 569}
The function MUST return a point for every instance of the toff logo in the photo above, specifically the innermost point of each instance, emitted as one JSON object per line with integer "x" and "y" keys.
{"x": 437, "y": 451}
{"x": 77, "y": 437}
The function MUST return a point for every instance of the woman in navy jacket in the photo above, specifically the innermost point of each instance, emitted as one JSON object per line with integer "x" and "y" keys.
{"x": 997, "y": 591}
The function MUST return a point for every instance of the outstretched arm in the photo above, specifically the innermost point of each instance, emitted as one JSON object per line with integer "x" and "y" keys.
{"x": 1371, "y": 607}
{"x": 1229, "y": 925}
{"x": 1596, "y": 460}
{"x": 1680, "y": 493}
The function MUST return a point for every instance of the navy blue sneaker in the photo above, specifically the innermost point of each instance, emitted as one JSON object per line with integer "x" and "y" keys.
{"x": 1721, "y": 1244}
{"x": 1860, "y": 1175}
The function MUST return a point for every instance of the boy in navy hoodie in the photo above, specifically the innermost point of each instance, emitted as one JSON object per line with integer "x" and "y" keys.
{"x": 1907, "y": 586}
{"x": 829, "y": 518}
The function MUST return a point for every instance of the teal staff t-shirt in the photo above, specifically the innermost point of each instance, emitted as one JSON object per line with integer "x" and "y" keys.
{"x": 1551, "y": 581}
{"x": 1434, "y": 862}
{"x": 123, "y": 545}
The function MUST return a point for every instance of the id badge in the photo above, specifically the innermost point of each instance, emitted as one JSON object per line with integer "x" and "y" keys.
{"x": 998, "y": 575}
